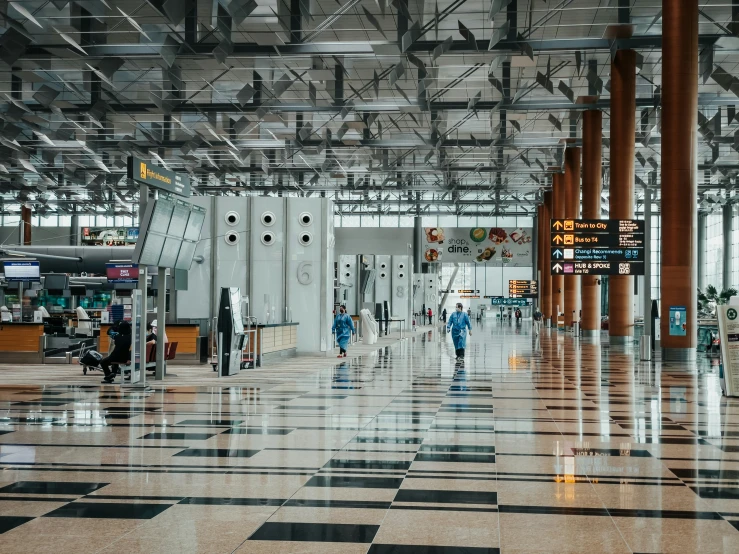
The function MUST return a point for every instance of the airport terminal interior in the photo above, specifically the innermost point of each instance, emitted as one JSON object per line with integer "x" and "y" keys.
{"x": 369, "y": 276}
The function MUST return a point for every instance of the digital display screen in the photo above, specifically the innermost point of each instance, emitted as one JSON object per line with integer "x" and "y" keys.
{"x": 187, "y": 251}
{"x": 170, "y": 252}
{"x": 22, "y": 271}
{"x": 195, "y": 224}
{"x": 161, "y": 216}
{"x": 170, "y": 233}
{"x": 236, "y": 311}
{"x": 180, "y": 216}
{"x": 152, "y": 249}
{"x": 122, "y": 273}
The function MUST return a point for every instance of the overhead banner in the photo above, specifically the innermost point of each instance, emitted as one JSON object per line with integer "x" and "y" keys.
{"x": 493, "y": 246}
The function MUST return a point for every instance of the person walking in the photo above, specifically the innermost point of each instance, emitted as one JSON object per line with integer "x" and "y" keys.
{"x": 538, "y": 316}
{"x": 443, "y": 315}
{"x": 343, "y": 328}
{"x": 458, "y": 323}
{"x": 430, "y": 315}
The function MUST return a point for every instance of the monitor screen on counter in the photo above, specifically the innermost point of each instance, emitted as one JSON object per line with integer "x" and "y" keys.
{"x": 21, "y": 271}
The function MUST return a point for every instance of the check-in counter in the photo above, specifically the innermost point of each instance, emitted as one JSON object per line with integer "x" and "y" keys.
{"x": 276, "y": 340}
{"x": 21, "y": 343}
{"x": 184, "y": 334}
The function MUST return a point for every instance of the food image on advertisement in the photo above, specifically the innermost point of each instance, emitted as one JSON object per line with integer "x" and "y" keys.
{"x": 507, "y": 253}
{"x": 519, "y": 236}
{"x": 432, "y": 255}
{"x": 498, "y": 235}
{"x": 486, "y": 255}
{"x": 435, "y": 234}
{"x": 478, "y": 234}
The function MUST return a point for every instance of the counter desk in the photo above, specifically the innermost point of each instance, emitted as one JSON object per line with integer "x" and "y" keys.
{"x": 276, "y": 340}
{"x": 21, "y": 343}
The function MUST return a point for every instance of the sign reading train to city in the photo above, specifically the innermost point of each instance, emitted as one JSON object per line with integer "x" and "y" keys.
{"x": 496, "y": 246}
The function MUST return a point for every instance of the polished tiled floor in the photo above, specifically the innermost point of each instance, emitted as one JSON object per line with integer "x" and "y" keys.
{"x": 543, "y": 445}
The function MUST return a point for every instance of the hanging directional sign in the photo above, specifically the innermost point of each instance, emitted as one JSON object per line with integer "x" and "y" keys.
{"x": 597, "y": 247}
{"x": 143, "y": 172}
{"x": 500, "y": 301}
{"x": 523, "y": 289}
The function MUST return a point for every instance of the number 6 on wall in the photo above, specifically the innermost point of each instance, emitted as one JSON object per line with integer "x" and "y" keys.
{"x": 305, "y": 273}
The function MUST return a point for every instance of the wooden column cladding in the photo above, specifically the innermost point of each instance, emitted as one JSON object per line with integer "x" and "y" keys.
{"x": 623, "y": 129}
{"x": 26, "y": 223}
{"x": 546, "y": 278}
{"x": 679, "y": 276}
{"x": 558, "y": 212}
{"x": 572, "y": 211}
{"x": 592, "y": 167}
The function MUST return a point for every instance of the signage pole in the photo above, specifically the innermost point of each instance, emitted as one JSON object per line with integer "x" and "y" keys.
{"x": 647, "y": 294}
{"x": 161, "y": 368}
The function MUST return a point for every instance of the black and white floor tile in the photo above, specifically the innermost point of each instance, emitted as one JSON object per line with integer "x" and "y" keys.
{"x": 531, "y": 445}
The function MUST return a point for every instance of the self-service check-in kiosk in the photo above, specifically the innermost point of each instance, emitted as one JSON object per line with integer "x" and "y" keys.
{"x": 230, "y": 332}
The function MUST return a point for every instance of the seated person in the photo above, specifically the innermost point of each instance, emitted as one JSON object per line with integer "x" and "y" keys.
{"x": 151, "y": 336}
{"x": 121, "y": 351}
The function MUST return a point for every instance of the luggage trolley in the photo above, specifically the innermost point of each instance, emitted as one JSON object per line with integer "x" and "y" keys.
{"x": 87, "y": 363}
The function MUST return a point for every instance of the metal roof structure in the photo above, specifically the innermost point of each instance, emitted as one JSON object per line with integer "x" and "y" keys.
{"x": 399, "y": 106}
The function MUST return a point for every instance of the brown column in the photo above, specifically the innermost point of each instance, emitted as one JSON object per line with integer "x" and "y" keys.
{"x": 592, "y": 165}
{"x": 546, "y": 269}
{"x": 679, "y": 276}
{"x": 26, "y": 225}
{"x": 572, "y": 211}
{"x": 558, "y": 212}
{"x": 623, "y": 121}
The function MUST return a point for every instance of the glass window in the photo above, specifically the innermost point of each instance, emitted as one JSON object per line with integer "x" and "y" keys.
{"x": 405, "y": 221}
{"x": 429, "y": 221}
{"x": 714, "y": 250}
{"x": 11, "y": 220}
{"x": 52, "y": 220}
{"x": 350, "y": 221}
{"x": 524, "y": 221}
{"x": 86, "y": 221}
{"x": 389, "y": 221}
{"x": 65, "y": 221}
{"x": 370, "y": 220}
{"x": 466, "y": 221}
{"x": 447, "y": 221}
{"x": 337, "y": 221}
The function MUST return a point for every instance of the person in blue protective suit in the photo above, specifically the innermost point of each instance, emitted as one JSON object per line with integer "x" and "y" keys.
{"x": 458, "y": 323}
{"x": 343, "y": 328}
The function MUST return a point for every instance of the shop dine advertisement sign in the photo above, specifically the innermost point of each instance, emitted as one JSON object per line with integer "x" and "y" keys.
{"x": 728, "y": 325}
{"x": 494, "y": 246}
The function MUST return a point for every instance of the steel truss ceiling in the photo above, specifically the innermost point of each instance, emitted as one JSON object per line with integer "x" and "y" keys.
{"x": 406, "y": 107}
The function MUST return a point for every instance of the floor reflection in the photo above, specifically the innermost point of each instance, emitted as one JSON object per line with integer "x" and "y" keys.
{"x": 531, "y": 444}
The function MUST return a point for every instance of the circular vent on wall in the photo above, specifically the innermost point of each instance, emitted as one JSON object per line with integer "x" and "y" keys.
{"x": 231, "y": 238}
{"x": 305, "y": 219}
{"x": 401, "y": 266}
{"x": 232, "y": 218}
{"x": 305, "y": 238}
{"x": 401, "y": 275}
{"x": 268, "y": 219}
{"x": 268, "y": 238}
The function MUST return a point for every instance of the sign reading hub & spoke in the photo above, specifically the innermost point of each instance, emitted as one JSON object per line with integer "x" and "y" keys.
{"x": 597, "y": 247}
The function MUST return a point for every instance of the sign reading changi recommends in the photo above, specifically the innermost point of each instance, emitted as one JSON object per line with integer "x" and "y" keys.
{"x": 597, "y": 247}
{"x": 163, "y": 179}
{"x": 496, "y": 246}
{"x": 523, "y": 289}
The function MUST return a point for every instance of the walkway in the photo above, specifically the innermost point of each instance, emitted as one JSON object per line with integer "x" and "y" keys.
{"x": 531, "y": 446}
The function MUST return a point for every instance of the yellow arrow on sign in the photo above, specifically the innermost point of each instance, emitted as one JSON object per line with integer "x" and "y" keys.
{"x": 557, "y": 239}
{"x": 557, "y": 225}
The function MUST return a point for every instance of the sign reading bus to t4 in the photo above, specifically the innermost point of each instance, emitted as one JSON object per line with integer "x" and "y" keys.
{"x": 523, "y": 289}
{"x": 597, "y": 246}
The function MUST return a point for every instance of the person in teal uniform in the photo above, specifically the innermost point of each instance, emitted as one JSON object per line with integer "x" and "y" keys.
{"x": 343, "y": 328}
{"x": 458, "y": 323}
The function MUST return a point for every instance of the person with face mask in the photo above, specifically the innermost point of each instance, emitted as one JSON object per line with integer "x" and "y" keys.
{"x": 458, "y": 323}
{"x": 343, "y": 328}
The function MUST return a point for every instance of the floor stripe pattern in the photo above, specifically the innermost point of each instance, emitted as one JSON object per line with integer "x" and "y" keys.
{"x": 532, "y": 444}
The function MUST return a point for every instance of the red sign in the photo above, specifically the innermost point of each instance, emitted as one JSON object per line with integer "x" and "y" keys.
{"x": 122, "y": 273}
